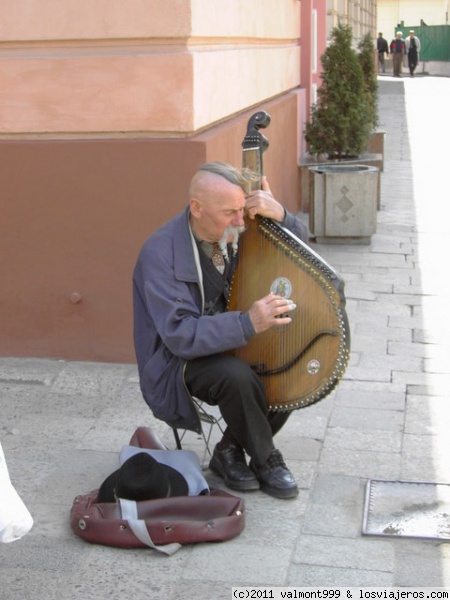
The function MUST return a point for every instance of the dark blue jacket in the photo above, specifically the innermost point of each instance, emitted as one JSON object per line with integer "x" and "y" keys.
{"x": 398, "y": 46}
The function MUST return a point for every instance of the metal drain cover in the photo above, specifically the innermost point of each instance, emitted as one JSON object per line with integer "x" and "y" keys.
{"x": 407, "y": 509}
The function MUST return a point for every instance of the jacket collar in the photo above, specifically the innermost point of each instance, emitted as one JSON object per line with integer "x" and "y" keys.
{"x": 186, "y": 258}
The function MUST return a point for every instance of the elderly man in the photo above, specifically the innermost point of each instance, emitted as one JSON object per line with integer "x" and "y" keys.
{"x": 398, "y": 51}
{"x": 183, "y": 329}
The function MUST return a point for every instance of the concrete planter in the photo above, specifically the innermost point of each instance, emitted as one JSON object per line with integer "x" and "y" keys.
{"x": 307, "y": 161}
{"x": 343, "y": 203}
{"x": 375, "y": 146}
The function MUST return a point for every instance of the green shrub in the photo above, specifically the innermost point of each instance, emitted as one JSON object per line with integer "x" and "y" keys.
{"x": 366, "y": 57}
{"x": 341, "y": 121}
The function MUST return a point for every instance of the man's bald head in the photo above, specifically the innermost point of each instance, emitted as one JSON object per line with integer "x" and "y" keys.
{"x": 212, "y": 176}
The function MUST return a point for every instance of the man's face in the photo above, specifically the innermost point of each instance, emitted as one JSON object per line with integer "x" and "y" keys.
{"x": 218, "y": 210}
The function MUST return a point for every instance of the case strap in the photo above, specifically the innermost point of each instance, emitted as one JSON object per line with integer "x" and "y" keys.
{"x": 139, "y": 528}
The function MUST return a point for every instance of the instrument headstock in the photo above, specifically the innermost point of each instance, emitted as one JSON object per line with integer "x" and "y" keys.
{"x": 255, "y": 144}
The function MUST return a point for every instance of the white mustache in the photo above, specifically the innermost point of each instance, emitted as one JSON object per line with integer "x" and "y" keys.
{"x": 233, "y": 233}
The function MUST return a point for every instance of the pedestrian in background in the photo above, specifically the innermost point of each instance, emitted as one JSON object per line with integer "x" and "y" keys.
{"x": 383, "y": 48}
{"x": 398, "y": 51}
{"x": 412, "y": 44}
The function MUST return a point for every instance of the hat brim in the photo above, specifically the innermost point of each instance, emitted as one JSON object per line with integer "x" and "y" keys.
{"x": 178, "y": 485}
{"x": 106, "y": 491}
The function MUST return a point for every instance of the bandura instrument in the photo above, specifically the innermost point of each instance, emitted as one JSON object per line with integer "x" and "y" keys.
{"x": 300, "y": 363}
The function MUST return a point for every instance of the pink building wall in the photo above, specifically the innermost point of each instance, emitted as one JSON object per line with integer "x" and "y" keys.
{"x": 313, "y": 44}
{"x": 106, "y": 112}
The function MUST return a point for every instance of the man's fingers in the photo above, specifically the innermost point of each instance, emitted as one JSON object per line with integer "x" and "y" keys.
{"x": 283, "y": 320}
{"x": 279, "y": 306}
{"x": 282, "y": 309}
{"x": 272, "y": 310}
{"x": 279, "y": 300}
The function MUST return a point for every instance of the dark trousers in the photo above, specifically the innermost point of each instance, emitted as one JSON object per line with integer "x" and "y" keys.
{"x": 230, "y": 383}
{"x": 412, "y": 61}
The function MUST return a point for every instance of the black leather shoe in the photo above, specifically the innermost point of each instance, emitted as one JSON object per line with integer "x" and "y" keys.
{"x": 275, "y": 478}
{"x": 230, "y": 464}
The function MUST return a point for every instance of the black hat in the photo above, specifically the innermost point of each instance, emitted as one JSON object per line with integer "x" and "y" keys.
{"x": 141, "y": 477}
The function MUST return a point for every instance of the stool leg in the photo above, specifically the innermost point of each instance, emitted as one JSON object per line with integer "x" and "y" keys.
{"x": 177, "y": 439}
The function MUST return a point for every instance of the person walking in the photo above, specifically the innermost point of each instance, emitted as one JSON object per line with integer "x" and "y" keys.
{"x": 383, "y": 48}
{"x": 397, "y": 50}
{"x": 412, "y": 44}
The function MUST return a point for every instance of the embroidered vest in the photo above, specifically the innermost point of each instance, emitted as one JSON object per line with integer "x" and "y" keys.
{"x": 216, "y": 286}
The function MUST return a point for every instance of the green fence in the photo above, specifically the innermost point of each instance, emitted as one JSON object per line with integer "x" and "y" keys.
{"x": 434, "y": 40}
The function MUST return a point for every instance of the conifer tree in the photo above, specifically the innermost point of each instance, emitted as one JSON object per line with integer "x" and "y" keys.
{"x": 340, "y": 123}
{"x": 366, "y": 56}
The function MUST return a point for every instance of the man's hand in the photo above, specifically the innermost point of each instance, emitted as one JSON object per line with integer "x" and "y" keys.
{"x": 261, "y": 202}
{"x": 270, "y": 311}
